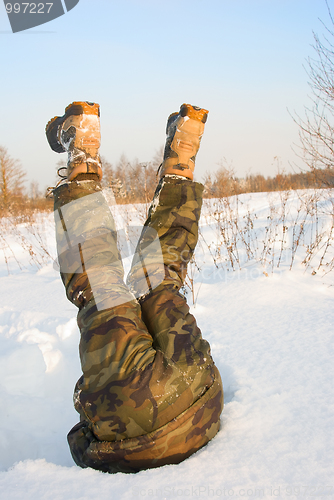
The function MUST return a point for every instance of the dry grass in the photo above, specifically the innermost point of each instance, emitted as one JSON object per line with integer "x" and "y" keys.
{"x": 285, "y": 228}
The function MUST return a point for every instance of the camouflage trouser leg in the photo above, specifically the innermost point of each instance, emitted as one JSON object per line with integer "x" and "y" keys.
{"x": 174, "y": 216}
{"x": 144, "y": 362}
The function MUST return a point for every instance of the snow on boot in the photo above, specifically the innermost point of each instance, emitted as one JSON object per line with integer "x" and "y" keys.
{"x": 184, "y": 132}
{"x": 78, "y": 133}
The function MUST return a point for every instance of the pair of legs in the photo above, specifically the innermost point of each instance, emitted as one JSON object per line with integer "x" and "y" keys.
{"x": 150, "y": 393}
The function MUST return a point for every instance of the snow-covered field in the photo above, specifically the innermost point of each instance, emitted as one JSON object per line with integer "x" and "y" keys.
{"x": 271, "y": 332}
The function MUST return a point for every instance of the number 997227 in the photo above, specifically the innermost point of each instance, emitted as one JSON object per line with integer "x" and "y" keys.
{"x": 28, "y": 8}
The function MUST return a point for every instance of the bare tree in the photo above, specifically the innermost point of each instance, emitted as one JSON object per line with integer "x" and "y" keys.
{"x": 12, "y": 179}
{"x": 157, "y": 158}
{"x": 316, "y": 128}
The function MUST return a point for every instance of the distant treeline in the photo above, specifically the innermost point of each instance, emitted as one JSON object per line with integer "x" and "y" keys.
{"x": 135, "y": 182}
{"x": 224, "y": 183}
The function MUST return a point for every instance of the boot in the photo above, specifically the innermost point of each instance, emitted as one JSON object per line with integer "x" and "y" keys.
{"x": 78, "y": 133}
{"x": 184, "y": 132}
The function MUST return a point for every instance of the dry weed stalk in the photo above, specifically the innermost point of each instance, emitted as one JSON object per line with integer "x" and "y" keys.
{"x": 29, "y": 234}
{"x": 298, "y": 222}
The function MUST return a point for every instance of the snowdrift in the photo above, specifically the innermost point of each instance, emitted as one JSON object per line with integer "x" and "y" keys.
{"x": 265, "y": 306}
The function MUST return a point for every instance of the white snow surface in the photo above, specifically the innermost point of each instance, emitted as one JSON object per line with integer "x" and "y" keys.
{"x": 271, "y": 334}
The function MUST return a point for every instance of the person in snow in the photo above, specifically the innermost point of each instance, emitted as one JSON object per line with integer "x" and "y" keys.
{"x": 150, "y": 393}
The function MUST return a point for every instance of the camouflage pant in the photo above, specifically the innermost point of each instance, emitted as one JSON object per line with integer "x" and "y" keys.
{"x": 150, "y": 393}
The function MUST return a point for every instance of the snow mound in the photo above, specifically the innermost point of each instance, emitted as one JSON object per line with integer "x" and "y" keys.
{"x": 272, "y": 337}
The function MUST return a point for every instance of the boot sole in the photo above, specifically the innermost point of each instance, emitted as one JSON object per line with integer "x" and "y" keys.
{"x": 194, "y": 113}
{"x": 74, "y": 109}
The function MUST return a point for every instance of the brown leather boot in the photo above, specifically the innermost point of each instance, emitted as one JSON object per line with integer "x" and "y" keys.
{"x": 78, "y": 133}
{"x": 184, "y": 132}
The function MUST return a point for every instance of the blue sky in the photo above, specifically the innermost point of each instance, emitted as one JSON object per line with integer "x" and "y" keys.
{"x": 140, "y": 59}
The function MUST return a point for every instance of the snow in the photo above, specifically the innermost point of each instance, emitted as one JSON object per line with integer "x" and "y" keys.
{"x": 271, "y": 333}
